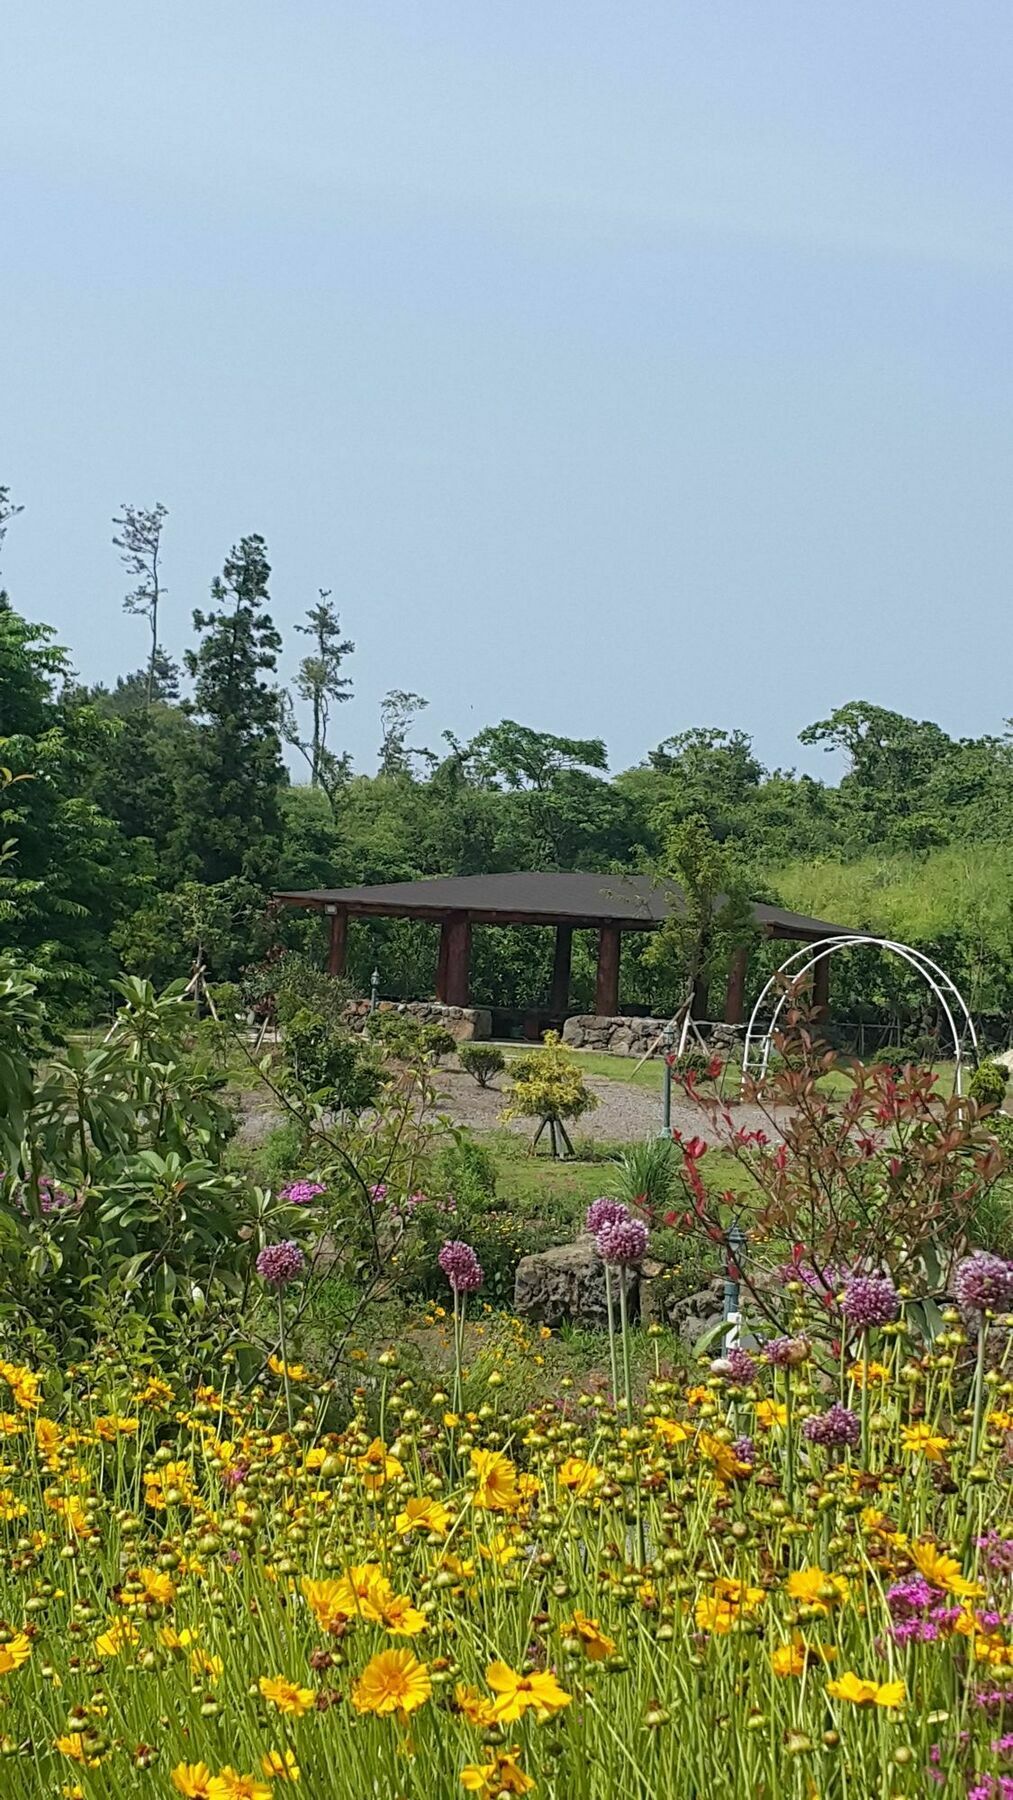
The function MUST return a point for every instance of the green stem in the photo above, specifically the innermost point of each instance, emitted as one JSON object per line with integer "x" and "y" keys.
{"x": 979, "y": 1390}
{"x": 284, "y": 1359}
{"x": 612, "y": 1335}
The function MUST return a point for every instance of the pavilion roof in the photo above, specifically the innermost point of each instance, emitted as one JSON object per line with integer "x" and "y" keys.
{"x": 530, "y": 897}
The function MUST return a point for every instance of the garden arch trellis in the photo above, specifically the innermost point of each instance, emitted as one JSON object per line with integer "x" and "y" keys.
{"x": 941, "y": 984}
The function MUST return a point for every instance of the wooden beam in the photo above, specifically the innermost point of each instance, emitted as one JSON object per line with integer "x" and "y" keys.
{"x": 559, "y": 997}
{"x": 606, "y": 993}
{"x": 337, "y": 946}
{"x": 735, "y": 992}
{"x": 458, "y": 960}
{"x": 441, "y": 964}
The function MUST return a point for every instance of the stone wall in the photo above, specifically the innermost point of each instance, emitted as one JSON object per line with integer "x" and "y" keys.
{"x": 463, "y": 1022}
{"x": 619, "y": 1036}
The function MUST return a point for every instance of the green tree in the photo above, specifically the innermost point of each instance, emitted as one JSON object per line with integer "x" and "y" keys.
{"x": 320, "y": 683}
{"x": 139, "y": 542}
{"x": 711, "y": 916}
{"x": 231, "y": 771}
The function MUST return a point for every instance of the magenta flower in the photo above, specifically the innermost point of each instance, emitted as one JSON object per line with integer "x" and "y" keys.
{"x": 461, "y": 1266}
{"x": 278, "y": 1264}
{"x": 622, "y": 1241}
{"x": 604, "y": 1211}
{"x": 870, "y": 1300}
{"x": 787, "y": 1352}
{"x": 984, "y": 1283}
{"x": 837, "y": 1426}
{"x": 302, "y": 1193}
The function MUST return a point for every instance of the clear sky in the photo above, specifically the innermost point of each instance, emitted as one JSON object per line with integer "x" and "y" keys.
{"x": 620, "y": 367}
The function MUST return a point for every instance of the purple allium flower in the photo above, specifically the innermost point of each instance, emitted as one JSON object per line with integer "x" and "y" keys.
{"x": 983, "y": 1282}
{"x": 997, "y": 1553}
{"x": 870, "y": 1300}
{"x": 278, "y": 1264}
{"x": 461, "y": 1266}
{"x": 741, "y": 1367}
{"x": 906, "y": 1598}
{"x": 302, "y": 1193}
{"x": 786, "y": 1352}
{"x": 604, "y": 1211}
{"x": 622, "y": 1241}
{"x": 836, "y": 1426}
{"x": 744, "y": 1449}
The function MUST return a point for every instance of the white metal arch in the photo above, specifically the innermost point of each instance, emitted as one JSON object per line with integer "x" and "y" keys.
{"x": 811, "y": 954}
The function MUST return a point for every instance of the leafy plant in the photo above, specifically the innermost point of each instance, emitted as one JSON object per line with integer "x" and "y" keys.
{"x": 482, "y": 1061}
{"x": 548, "y": 1086}
{"x": 647, "y": 1174}
{"x": 409, "y": 1039}
{"x": 988, "y": 1084}
{"x": 332, "y": 1061}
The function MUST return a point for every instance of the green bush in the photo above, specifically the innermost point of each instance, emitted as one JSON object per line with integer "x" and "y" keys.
{"x": 482, "y": 1061}
{"x": 403, "y": 1036}
{"x": 326, "y": 1058}
{"x": 988, "y": 1084}
{"x": 693, "y": 1061}
{"x": 646, "y": 1174}
{"x": 467, "y": 1170}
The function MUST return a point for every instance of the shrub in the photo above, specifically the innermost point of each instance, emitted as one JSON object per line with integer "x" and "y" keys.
{"x": 549, "y": 1086}
{"x": 467, "y": 1170}
{"x": 988, "y": 1084}
{"x": 408, "y": 1039}
{"x": 482, "y": 1061}
{"x": 897, "y": 1057}
{"x": 326, "y": 1058}
{"x": 646, "y": 1174}
{"x": 696, "y": 1063}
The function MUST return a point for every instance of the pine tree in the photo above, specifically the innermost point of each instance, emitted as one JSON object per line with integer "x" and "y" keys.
{"x": 321, "y": 684}
{"x": 231, "y": 768}
{"x": 140, "y": 546}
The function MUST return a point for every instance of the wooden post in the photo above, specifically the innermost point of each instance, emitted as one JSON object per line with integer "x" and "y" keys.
{"x": 735, "y": 993}
{"x": 606, "y": 995}
{"x": 821, "y": 987}
{"x": 458, "y": 959}
{"x": 337, "y": 947}
{"x": 559, "y": 998}
{"x": 441, "y": 965}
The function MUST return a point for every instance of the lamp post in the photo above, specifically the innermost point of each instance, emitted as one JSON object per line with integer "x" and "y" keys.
{"x": 735, "y": 1244}
{"x": 374, "y": 990}
{"x": 668, "y": 1043}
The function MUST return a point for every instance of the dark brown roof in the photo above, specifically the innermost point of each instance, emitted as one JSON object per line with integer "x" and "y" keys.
{"x": 632, "y": 901}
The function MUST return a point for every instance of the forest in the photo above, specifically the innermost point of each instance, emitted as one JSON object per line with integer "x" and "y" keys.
{"x": 145, "y": 820}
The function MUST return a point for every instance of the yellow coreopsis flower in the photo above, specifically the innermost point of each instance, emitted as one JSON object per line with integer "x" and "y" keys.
{"x": 47, "y": 1439}
{"x": 393, "y": 1681}
{"x": 15, "y": 1652}
{"x": 294, "y": 1371}
{"x": 10, "y": 1506}
{"x": 280, "y": 1767}
{"x": 582, "y": 1478}
{"x": 117, "y": 1635}
{"x": 325, "y": 1601}
{"x": 496, "y": 1487}
{"x": 770, "y": 1413}
{"x": 669, "y": 1431}
{"x": 816, "y": 1588}
{"x": 861, "y": 1372}
{"x": 921, "y": 1440}
{"x": 423, "y": 1515}
{"x": 475, "y": 1707}
{"x": 192, "y": 1780}
{"x": 943, "y": 1571}
{"x": 156, "y": 1393}
{"x": 287, "y": 1696}
{"x": 111, "y": 1426}
{"x": 727, "y": 1466}
{"x": 229, "y": 1785}
{"x": 401, "y": 1618}
{"x": 377, "y": 1467}
{"x": 516, "y": 1694}
{"x": 503, "y": 1775}
{"x": 788, "y": 1659}
{"x": 24, "y": 1385}
{"x": 500, "y": 1550}
{"x": 596, "y": 1646}
{"x": 78, "y": 1748}
{"x": 158, "y": 1586}
{"x": 853, "y": 1688}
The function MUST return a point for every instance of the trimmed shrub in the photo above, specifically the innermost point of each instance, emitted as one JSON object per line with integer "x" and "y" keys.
{"x": 988, "y": 1084}
{"x": 482, "y": 1061}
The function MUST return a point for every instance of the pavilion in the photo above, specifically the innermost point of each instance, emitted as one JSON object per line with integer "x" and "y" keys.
{"x": 607, "y": 904}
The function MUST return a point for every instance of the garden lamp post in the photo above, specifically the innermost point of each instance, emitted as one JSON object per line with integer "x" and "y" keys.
{"x": 735, "y": 1245}
{"x": 668, "y": 1045}
{"x": 374, "y": 990}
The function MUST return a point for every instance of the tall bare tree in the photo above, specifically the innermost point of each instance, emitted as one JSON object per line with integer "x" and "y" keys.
{"x": 320, "y": 683}
{"x": 139, "y": 542}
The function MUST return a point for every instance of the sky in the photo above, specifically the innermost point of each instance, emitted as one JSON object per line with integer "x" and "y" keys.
{"x": 619, "y": 368}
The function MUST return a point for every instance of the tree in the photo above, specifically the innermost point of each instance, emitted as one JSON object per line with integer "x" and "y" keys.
{"x": 320, "y": 683}
{"x": 560, "y": 801}
{"x": 712, "y": 913}
{"x": 398, "y": 711}
{"x": 231, "y": 768}
{"x": 8, "y": 511}
{"x": 891, "y": 761}
{"x": 139, "y": 544}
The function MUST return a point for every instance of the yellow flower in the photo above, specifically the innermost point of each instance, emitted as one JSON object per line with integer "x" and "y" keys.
{"x": 595, "y": 1644}
{"x": 788, "y": 1659}
{"x": 474, "y": 1706}
{"x": 158, "y": 1587}
{"x": 157, "y": 1393}
{"x": 175, "y": 1478}
{"x": 814, "y": 1587}
{"x": 697, "y": 1396}
{"x": 770, "y": 1413}
{"x": 580, "y": 1477}
{"x": 401, "y": 1618}
{"x": 228, "y": 1785}
{"x": 15, "y": 1652}
{"x": 496, "y": 1482}
{"x": 943, "y": 1571}
{"x": 503, "y": 1775}
{"x": 727, "y": 1604}
{"x": 517, "y": 1693}
{"x": 23, "y": 1383}
{"x": 669, "y": 1431}
{"x": 286, "y": 1695}
{"x": 394, "y": 1681}
{"x": 423, "y": 1515}
{"x": 867, "y": 1693}
{"x": 10, "y": 1506}
{"x": 377, "y": 1467}
{"x": 192, "y": 1780}
{"x": 723, "y": 1458}
{"x": 47, "y": 1439}
{"x": 116, "y": 1637}
{"x": 279, "y": 1767}
{"x": 78, "y": 1748}
{"x": 71, "y": 1510}
{"x": 874, "y": 1371}
{"x": 499, "y": 1550}
{"x": 921, "y": 1440}
{"x": 111, "y": 1426}
{"x": 294, "y": 1371}
{"x": 203, "y": 1664}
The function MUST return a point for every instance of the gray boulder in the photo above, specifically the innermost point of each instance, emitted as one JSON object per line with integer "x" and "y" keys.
{"x": 566, "y": 1285}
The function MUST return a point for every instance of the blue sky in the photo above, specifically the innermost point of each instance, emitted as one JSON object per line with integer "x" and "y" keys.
{"x": 619, "y": 368}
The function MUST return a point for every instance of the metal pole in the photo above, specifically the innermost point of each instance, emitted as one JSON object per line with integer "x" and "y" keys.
{"x": 374, "y": 990}
{"x": 735, "y": 1244}
{"x": 668, "y": 1041}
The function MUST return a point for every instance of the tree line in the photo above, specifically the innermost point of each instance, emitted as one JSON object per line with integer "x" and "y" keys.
{"x": 144, "y": 823}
